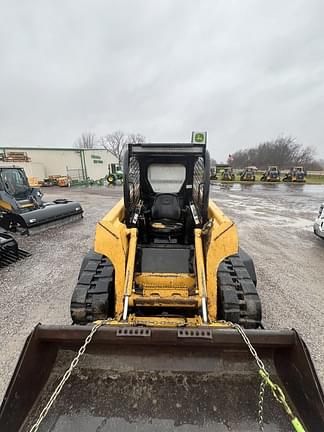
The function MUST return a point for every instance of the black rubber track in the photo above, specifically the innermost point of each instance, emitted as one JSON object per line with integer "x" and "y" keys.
{"x": 238, "y": 300}
{"x": 8, "y": 257}
{"x": 93, "y": 296}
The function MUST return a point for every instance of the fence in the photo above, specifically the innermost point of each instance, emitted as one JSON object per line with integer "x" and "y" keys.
{"x": 75, "y": 174}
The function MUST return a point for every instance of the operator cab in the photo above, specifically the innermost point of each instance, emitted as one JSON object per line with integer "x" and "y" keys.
{"x": 166, "y": 191}
{"x": 14, "y": 181}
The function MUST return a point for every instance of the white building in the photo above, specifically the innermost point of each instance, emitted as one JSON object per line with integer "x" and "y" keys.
{"x": 43, "y": 162}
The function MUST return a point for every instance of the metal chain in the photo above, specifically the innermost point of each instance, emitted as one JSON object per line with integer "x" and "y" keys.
{"x": 67, "y": 375}
{"x": 265, "y": 380}
{"x": 261, "y": 400}
{"x": 260, "y": 364}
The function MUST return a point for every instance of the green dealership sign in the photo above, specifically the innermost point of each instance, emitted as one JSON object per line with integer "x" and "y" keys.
{"x": 199, "y": 137}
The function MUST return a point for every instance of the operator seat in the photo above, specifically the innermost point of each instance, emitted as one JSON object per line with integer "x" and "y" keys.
{"x": 166, "y": 216}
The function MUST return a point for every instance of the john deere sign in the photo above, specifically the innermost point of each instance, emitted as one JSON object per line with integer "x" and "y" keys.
{"x": 199, "y": 137}
{"x": 96, "y": 159}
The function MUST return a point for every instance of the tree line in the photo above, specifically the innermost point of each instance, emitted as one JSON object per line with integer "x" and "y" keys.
{"x": 115, "y": 142}
{"x": 285, "y": 152}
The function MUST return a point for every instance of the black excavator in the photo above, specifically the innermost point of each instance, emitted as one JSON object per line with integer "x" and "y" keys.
{"x": 23, "y": 209}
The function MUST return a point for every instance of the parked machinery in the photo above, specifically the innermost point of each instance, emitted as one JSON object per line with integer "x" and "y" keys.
{"x": 248, "y": 174}
{"x": 272, "y": 174}
{"x": 48, "y": 182}
{"x": 213, "y": 173}
{"x": 115, "y": 174}
{"x": 296, "y": 174}
{"x": 22, "y": 208}
{"x": 228, "y": 174}
{"x": 166, "y": 207}
{"x": 319, "y": 223}
{"x": 64, "y": 181}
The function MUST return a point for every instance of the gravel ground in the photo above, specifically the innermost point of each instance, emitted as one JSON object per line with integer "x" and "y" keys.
{"x": 275, "y": 227}
{"x": 275, "y": 224}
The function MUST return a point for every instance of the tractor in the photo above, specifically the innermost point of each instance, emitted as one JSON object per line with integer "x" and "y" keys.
{"x": 115, "y": 174}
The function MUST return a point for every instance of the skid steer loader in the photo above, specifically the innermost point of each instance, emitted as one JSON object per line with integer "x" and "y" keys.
{"x": 167, "y": 310}
{"x": 9, "y": 250}
{"x": 272, "y": 174}
{"x": 248, "y": 174}
{"x": 295, "y": 175}
{"x": 228, "y": 174}
{"x": 22, "y": 208}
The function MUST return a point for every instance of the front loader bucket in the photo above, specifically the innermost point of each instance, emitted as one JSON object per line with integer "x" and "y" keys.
{"x": 52, "y": 214}
{"x": 9, "y": 250}
{"x": 160, "y": 379}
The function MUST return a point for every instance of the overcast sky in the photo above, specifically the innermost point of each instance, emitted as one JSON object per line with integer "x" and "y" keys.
{"x": 245, "y": 71}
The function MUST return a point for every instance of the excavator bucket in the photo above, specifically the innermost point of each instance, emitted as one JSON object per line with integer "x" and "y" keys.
{"x": 53, "y": 214}
{"x": 160, "y": 379}
{"x": 9, "y": 250}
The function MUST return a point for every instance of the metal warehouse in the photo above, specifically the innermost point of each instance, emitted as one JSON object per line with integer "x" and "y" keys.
{"x": 78, "y": 164}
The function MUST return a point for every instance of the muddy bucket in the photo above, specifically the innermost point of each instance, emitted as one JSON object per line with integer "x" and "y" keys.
{"x": 160, "y": 379}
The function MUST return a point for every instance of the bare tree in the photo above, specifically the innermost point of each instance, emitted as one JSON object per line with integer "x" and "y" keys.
{"x": 283, "y": 151}
{"x": 116, "y": 143}
{"x": 136, "y": 138}
{"x": 86, "y": 140}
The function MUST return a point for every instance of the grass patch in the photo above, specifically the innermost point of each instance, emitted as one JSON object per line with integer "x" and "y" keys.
{"x": 310, "y": 179}
{"x": 315, "y": 179}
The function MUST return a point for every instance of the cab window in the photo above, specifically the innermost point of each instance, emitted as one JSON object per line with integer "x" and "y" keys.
{"x": 166, "y": 178}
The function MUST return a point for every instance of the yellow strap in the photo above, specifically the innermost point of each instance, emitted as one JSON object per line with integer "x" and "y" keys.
{"x": 280, "y": 397}
{"x": 297, "y": 425}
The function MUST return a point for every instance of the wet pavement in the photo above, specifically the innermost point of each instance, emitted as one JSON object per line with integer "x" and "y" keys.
{"x": 275, "y": 224}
